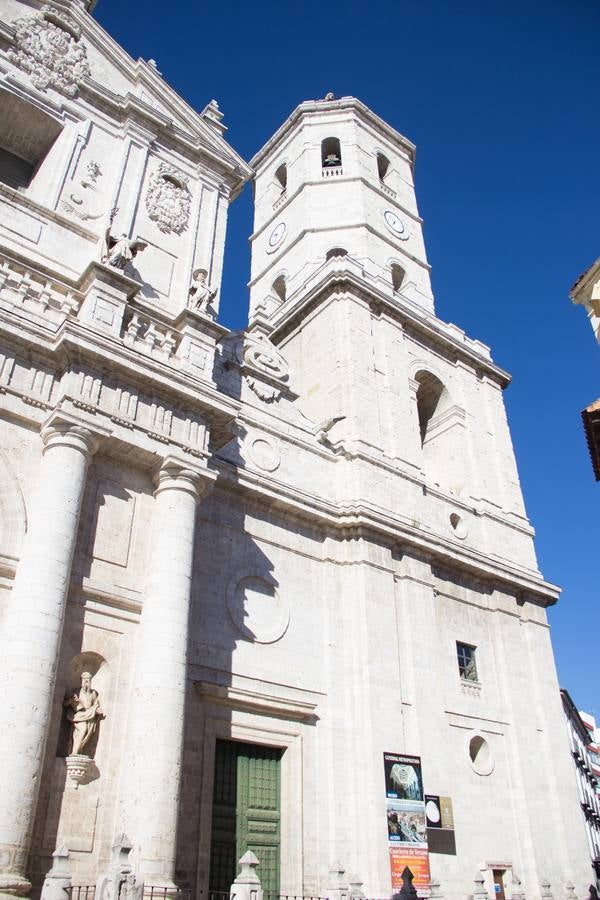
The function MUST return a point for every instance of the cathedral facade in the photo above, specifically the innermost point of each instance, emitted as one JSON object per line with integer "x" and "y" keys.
{"x": 242, "y": 573}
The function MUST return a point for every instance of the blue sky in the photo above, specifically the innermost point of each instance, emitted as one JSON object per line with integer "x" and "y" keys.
{"x": 501, "y": 99}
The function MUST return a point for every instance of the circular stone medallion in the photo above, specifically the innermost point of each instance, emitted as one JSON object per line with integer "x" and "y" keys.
{"x": 256, "y": 609}
{"x": 264, "y": 454}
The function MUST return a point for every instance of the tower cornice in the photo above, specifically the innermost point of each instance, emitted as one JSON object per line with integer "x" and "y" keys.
{"x": 325, "y": 107}
{"x": 338, "y": 276}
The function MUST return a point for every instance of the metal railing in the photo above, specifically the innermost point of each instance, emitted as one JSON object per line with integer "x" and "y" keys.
{"x": 269, "y": 896}
{"x": 154, "y": 892}
{"x": 81, "y": 891}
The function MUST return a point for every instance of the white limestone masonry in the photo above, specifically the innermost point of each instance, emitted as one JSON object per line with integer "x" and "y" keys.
{"x": 364, "y": 515}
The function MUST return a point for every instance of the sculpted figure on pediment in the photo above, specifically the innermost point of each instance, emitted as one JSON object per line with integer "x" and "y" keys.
{"x": 168, "y": 200}
{"x": 50, "y": 51}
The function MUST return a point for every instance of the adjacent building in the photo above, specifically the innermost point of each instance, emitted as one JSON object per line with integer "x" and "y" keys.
{"x": 236, "y": 569}
{"x": 586, "y": 292}
{"x": 583, "y": 740}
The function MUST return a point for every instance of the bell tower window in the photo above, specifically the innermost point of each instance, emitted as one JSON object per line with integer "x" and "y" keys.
{"x": 279, "y": 288}
{"x": 398, "y": 275}
{"x": 383, "y": 165}
{"x": 429, "y": 394}
{"x": 331, "y": 154}
{"x": 281, "y": 177}
{"x": 336, "y": 251}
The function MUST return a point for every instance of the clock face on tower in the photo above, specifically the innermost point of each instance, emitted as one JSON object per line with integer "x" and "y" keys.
{"x": 276, "y": 237}
{"x": 395, "y": 224}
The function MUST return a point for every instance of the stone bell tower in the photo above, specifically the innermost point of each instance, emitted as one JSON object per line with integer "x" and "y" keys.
{"x": 340, "y": 282}
{"x": 336, "y": 179}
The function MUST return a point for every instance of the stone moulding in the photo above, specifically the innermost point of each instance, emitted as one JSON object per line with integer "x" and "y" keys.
{"x": 268, "y": 704}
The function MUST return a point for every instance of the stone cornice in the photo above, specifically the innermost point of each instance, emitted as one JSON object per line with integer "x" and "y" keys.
{"x": 359, "y": 516}
{"x": 46, "y": 213}
{"x": 257, "y": 702}
{"x": 75, "y": 342}
{"x": 372, "y": 186}
{"x": 338, "y": 278}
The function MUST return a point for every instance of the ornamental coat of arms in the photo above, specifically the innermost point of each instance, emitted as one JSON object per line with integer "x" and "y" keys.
{"x": 168, "y": 199}
{"x": 50, "y": 52}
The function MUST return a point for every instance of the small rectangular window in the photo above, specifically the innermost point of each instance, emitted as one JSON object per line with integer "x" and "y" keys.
{"x": 467, "y": 666}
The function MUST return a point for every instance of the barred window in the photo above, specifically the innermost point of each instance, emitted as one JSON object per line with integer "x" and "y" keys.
{"x": 467, "y": 666}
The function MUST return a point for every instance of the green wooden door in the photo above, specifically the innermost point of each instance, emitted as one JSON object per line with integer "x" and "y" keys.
{"x": 246, "y": 812}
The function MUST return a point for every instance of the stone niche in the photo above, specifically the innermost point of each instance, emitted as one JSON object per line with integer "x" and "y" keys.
{"x": 75, "y": 796}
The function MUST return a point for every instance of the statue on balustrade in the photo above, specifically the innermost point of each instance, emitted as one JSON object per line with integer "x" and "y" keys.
{"x": 200, "y": 293}
{"x": 121, "y": 251}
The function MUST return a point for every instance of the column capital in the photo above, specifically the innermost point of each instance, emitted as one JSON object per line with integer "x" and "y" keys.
{"x": 65, "y": 433}
{"x": 174, "y": 473}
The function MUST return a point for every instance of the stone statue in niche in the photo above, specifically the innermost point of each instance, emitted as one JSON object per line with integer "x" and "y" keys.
{"x": 84, "y": 712}
{"x": 200, "y": 293}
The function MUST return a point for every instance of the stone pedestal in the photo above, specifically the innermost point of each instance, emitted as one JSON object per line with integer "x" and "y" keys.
{"x": 155, "y": 736}
{"x": 78, "y": 769}
{"x": 247, "y": 885}
{"x": 31, "y": 636}
{"x": 107, "y": 291}
{"x": 58, "y": 880}
{"x": 199, "y": 336}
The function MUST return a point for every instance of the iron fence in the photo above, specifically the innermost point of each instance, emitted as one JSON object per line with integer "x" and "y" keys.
{"x": 81, "y": 891}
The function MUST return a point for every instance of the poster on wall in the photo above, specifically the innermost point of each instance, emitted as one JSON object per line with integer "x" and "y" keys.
{"x": 440, "y": 824}
{"x": 406, "y": 820}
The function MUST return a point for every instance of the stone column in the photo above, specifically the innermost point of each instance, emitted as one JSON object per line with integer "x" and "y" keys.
{"x": 31, "y": 638}
{"x": 154, "y": 750}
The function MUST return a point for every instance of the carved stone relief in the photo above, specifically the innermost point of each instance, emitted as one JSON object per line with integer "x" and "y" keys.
{"x": 168, "y": 199}
{"x": 82, "y": 200}
{"x": 255, "y": 353}
{"x": 264, "y": 453}
{"x": 49, "y": 48}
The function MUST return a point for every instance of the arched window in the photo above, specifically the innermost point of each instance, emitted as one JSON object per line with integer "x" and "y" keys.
{"x": 336, "y": 251}
{"x": 279, "y": 287}
{"x": 281, "y": 177}
{"x": 430, "y": 392}
{"x": 331, "y": 154}
{"x": 398, "y": 275}
{"x": 383, "y": 165}
{"x": 442, "y": 433}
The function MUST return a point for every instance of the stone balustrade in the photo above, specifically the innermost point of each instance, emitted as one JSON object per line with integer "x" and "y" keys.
{"x": 331, "y": 172}
{"x": 21, "y": 286}
{"x": 150, "y": 336}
